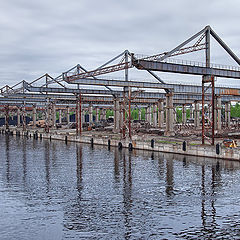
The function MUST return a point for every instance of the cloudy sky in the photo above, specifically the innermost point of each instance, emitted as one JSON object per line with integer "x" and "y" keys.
{"x": 54, "y": 35}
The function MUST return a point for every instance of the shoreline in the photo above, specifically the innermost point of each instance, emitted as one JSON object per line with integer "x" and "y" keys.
{"x": 150, "y": 144}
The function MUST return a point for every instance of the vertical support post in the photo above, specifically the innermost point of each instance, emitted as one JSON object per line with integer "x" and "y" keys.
{"x": 154, "y": 115}
{"x": 160, "y": 114}
{"x": 60, "y": 116}
{"x": 228, "y": 114}
{"x": 121, "y": 116}
{"x": 191, "y": 111}
{"x": 169, "y": 114}
{"x": 24, "y": 116}
{"x": 34, "y": 115}
{"x": 203, "y": 113}
{"x": 7, "y": 117}
{"x": 90, "y": 114}
{"x": 101, "y": 114}
{"x": 219, "y": 115}
{"x": 116, "y": 115}
{"x": 125, "y": 90}
{"x": 80, "y": 114}
{"x": 207, "y": 52}
{"x": 47, "y": 116}
{"x": 213, "y": 104}
{"x": 18, "y": 117}
{"x": 97, "y": 115}
{"x": 150, "y": 115}
{"x": 68, "y": 115}
{"x": 129, "y": 114}
{"x": 54, "y": 115}
{"x": 184, "y": 117}
{"x": 104, "y": 114}
{"x": 146, "y": 114}
{"x": 76, "y": 114}
{"x": 196, "y": 115}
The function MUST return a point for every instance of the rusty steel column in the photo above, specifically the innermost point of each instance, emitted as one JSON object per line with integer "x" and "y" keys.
{"x": 76, "y": 114}
{"x": 129, "y": 114}
{"x": 124, "y": 119}
{"x": 203, "y": 113}
{"x": 219, "y": 113}
{"x": 215, "y": 113}
{"x": 213, "y": 104}
{"x": 114, "y": 114}
{"x": 80, "y": 115}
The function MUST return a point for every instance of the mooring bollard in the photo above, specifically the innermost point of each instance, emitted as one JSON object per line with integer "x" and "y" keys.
{"x": 217, "y": 148}
{"x": 130, "y": 147}
{"x": 184, "y": 146}
{"x": 120, "y": 146}
{"x": 50, "y": 138}
{"x": 109, "y": 144}
{"x": 91, "y": 142}
{"x": 66, "y": 139}
{"x": 152, "y": 143}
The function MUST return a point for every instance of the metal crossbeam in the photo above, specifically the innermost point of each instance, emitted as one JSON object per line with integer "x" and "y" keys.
{"x": 119, "y": 83}
{"x": 177, "y": 88}
{"x": 186, "y": 69}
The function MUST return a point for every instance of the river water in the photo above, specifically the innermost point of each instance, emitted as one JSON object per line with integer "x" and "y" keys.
{"x": 50, "y": 190}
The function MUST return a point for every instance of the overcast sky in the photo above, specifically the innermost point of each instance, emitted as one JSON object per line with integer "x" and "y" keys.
{"x": 54, "y": 35}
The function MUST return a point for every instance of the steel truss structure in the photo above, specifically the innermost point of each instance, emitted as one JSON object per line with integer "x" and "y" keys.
{"x": 34, "y": 92}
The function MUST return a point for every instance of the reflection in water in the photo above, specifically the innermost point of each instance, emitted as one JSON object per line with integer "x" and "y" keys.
{"x": 7, "y": 157}
{"x": 24, "y": 158}
{"x": 47, "y": 164}
{"x": 116, "y": 165}
{"x": 169, "y": 178}
{"x": 79, "y": 168}
{"x": 76, "y": 192}
{"x": 127, "y": 192}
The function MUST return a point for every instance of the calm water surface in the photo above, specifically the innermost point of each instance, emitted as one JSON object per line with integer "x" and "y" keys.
{"x": 50, "y": 190}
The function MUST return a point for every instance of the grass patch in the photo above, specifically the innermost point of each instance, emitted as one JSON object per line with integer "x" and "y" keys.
{"x": 168, "y": 142}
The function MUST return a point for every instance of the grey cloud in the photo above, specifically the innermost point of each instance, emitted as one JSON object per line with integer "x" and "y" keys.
{"x": 52, "y": 36}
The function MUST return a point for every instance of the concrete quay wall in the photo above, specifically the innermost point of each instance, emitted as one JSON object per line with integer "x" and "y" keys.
{"x": 193, "y": 150}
